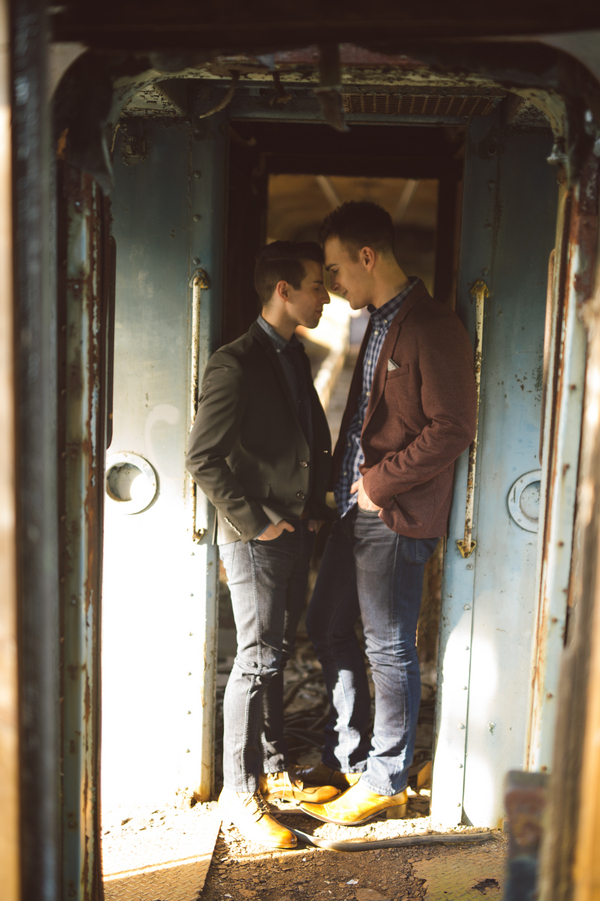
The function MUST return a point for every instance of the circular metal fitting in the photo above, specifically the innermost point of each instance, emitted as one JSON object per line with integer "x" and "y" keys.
{"x": 131, "y": 483}
{"x": 524, "y": 500}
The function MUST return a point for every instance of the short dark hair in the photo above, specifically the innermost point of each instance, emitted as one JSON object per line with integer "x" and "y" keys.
{"x": 283, "y": 261}
{"x": 357, "y": 224}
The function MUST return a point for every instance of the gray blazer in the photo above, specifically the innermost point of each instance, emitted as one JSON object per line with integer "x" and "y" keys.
{"x": 247, "y": 450}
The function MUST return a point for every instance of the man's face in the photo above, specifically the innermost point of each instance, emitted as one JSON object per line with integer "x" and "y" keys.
{"x": 350, "y": 278}
{"x": 306, "y": 303}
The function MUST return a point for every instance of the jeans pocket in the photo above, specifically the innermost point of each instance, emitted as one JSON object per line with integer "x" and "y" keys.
{"x": 424, "y": 548}
{"x": 227, "y": 555}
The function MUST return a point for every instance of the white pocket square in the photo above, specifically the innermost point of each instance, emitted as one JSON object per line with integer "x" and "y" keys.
{"x": 392, "y": 365}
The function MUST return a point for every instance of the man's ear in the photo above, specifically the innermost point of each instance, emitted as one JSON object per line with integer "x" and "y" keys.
{"x": 283, "y": 290}
{"x": 367, "y": 257}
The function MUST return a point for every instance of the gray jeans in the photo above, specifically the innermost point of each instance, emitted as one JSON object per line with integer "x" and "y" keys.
{"x": 267, "y": 581}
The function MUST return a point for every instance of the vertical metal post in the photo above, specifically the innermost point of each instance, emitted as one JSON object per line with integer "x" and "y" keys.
{"x": 36, "y": 479}
{"x": 208, "y": 193}
{"x": 81, "y": 505}
{"x": 198, "y": 282}
{"x": 465, "y": 545}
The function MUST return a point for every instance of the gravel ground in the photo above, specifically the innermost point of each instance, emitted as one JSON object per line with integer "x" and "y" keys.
{"x": 241, "y": 870}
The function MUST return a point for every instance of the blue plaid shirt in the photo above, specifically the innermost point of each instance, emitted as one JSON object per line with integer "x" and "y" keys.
{"x": 381, "y": 319}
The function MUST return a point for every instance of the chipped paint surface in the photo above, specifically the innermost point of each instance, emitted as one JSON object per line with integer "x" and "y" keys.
{"x": 83, "y": 492}
{"x": 573, "y": 273}
{"x": 487, "y": 607}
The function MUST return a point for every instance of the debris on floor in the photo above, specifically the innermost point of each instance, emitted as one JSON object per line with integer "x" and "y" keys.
{"x": 157, "y": 854}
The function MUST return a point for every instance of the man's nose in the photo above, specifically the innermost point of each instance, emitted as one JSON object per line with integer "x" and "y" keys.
{"x": 326, "y": 297}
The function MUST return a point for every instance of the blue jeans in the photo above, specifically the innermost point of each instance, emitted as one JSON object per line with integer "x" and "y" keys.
{"x": 370, "y": 571}
{"x": 267, "y": 581}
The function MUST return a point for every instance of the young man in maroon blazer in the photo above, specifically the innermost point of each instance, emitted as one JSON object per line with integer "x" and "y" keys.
{"x": 410, "y": 414}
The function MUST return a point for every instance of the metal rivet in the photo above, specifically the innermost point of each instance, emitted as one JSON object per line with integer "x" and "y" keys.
{"x": 197, "y": 217}
{"x": 197, "y": 174}
{"x": 461, "y": 725}
{"x": 469, "y": 566}
{"x": 467, "y": 607}
{"x": 196, "y": 261}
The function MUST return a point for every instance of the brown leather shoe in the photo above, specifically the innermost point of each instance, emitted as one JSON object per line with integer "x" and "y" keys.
{"x": 248, "y": 811}
{"x": 284, "y": 787}
{"x": 321, "y": 774}
{"x": 357, "y": 806}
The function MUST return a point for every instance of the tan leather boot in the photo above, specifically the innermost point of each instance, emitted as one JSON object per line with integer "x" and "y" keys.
{"x": 357, "y": 806}
{"x": 285, "y": 787}
{"x": 321, "y": 774}
{"x": 248, "y": 811}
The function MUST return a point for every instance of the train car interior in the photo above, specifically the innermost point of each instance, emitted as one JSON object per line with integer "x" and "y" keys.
{"x": 189, "y": 210}
{"x": 169, "y": 170}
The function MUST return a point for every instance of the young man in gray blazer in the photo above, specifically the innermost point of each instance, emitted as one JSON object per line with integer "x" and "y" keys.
{"x": 410, "y": 413}
{"x": 260, "y": 450}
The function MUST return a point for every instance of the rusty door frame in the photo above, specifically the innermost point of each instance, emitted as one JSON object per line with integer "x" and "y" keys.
{"x": 561, "y": 424}
{"x": 90, "y": 788}
{"x": 84, "y": 276}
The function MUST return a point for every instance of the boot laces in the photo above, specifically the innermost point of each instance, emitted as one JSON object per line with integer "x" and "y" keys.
{"x": 256, "y": 805}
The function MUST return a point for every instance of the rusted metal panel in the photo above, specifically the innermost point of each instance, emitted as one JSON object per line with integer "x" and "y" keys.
{"x": 159, "y": 583}
{"x": 350, "y": 55}
{"x": 83, "y": 426}
{"x": 456, "y": 625}
{"x": 566, "y": 788}
{"x": 487, "y": 613}
{"x": 560, "y": 458}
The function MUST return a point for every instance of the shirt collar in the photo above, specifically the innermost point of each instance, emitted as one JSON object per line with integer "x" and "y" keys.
{"x": 277, "y": 340}
{"x": 386, "y": 313}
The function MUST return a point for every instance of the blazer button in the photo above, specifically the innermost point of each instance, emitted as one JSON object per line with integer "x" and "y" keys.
{"x": 300, "y": 495}
{"x": 303, "y": 463}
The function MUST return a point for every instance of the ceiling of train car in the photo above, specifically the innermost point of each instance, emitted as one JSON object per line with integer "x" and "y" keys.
{"x": 299, "y": 203}
{"x": 150, "y": 24}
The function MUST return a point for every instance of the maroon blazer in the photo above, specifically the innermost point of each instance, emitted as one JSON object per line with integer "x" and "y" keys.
{"x": 420, "y": 417}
